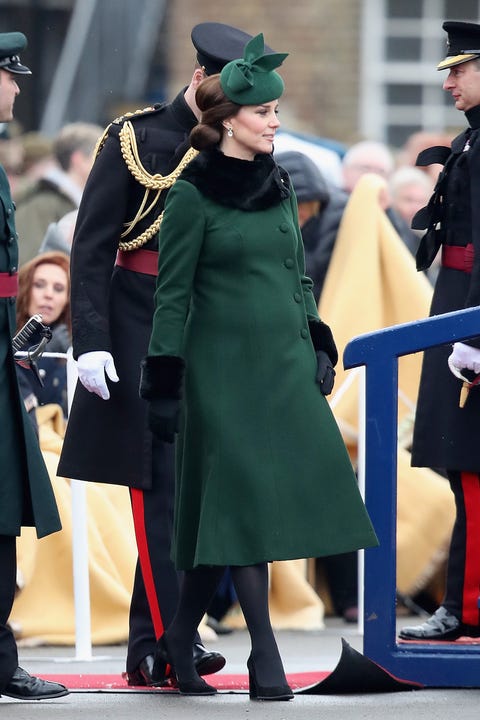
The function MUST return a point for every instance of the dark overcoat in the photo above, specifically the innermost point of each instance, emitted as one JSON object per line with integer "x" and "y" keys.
{"x": 112, "y": 308}
{"x": 262, "y": 470}
{"x": 26, "y": 493}
{"x": 445, "y": 435}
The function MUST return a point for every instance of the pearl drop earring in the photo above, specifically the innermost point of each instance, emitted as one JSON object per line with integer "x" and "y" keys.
{"x": 230, "y": 132}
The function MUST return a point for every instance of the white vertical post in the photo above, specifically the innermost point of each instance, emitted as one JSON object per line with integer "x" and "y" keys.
{"x": 361, "y": 485}
{"x": 81, "y": 582}
{"x": 357, "y": 373}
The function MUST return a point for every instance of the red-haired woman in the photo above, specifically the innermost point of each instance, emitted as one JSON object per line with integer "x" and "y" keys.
{"x": 44, "y": 289}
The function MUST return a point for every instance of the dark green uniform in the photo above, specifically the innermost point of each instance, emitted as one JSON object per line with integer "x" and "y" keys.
{"x": 26, "y": 495}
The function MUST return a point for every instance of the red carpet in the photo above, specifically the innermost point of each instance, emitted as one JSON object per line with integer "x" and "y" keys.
{"x": 354, "y": 673}
{"x": 115, "y": 683}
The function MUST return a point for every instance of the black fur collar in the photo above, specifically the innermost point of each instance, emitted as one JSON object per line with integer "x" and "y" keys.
{"x": 242, "y": 184}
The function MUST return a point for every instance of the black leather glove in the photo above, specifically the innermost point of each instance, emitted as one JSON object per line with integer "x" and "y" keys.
{"x": 161, "y": 382}
{"x": 325, "y": 376}
{"x": 163, "y": 418}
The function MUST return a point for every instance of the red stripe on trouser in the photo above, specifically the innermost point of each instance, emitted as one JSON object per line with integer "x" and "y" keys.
{"x": 471, "y": 580}
{"x": 144, "y": 557}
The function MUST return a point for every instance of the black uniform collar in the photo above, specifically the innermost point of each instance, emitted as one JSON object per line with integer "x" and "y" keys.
{"x": 242, "y": 184}
{"x": 182, "y": 112}
{"x": 473, "y": 117}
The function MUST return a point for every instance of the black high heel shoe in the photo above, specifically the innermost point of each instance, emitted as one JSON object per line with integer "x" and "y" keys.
{"x": 163, "y": 657}
{"x": 257, "y": 692}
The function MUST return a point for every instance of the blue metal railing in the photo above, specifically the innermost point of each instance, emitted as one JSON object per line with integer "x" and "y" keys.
{"x": 441, "y": 665}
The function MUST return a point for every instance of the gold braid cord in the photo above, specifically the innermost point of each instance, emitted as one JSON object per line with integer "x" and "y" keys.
{"x": 101, "y": 141}
{"x": 152, "y": 184}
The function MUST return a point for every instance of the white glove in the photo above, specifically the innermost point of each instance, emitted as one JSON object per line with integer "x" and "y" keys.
{"x": 91, "y": 367}
{"x": 464, "y": 356}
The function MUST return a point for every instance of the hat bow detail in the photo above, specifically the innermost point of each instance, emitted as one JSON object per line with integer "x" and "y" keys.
{"x": 254, "y": 60}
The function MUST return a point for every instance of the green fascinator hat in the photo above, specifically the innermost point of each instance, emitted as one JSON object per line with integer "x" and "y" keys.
{"x": 252, "y": 80}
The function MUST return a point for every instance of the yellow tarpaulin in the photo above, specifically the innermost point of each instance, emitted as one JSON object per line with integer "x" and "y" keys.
{"x": 372, "y": 283}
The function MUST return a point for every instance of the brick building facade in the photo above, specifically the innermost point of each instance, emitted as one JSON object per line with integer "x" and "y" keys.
{"x": 357, "y": 68}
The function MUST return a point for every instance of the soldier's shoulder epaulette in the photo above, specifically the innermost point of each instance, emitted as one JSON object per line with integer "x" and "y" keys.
{"x": 136, "y": 114}
{"x": 116, "y": 125}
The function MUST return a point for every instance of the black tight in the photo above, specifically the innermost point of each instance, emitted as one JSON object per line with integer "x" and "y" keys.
{"x": 251, "y": 586}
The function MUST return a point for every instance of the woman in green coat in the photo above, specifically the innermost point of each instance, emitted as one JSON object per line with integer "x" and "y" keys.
{"x": 239, "y": 357}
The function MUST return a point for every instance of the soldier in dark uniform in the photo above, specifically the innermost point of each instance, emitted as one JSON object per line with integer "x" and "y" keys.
{"x": 445, "y": 434}
{"x": 114, "y": 266}
{"x": 27, "y": 496}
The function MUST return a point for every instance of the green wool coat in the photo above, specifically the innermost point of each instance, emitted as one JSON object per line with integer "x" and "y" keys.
{"x": 262, "y": 470}
{"x": 26, "y": 495}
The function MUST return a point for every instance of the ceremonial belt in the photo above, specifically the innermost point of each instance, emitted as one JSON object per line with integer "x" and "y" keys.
{"x": 140, "y": 261}
{"x": 458, "y": 257}
{"x": 8, "y": 284}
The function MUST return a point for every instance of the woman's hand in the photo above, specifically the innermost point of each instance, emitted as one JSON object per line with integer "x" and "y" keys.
{"x": 163, "y": 418}
{"x": 325, "y": 373}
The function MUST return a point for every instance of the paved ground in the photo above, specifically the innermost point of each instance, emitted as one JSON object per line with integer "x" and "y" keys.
{"x": 302, "y": 651}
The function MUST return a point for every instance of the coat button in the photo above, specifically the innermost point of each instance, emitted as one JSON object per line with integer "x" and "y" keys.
{"x": 304, "y": 333}
{"x": 297, "y": 297}
{"x": 11, "y": 239}
{"x": 284, "y": 227}
{"x": 289, "y": 263}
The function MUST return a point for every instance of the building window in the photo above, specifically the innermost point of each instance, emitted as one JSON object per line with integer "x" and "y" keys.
{"x": 402, "y": 42}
